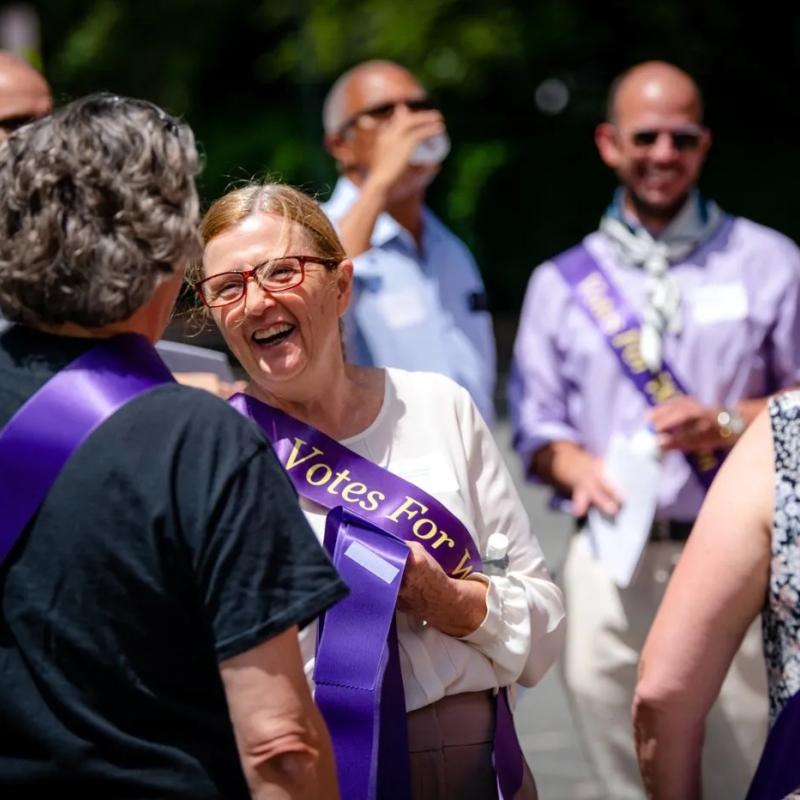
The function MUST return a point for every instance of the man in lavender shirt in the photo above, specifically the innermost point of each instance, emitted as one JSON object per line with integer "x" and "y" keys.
{"x": 718, "y": 297}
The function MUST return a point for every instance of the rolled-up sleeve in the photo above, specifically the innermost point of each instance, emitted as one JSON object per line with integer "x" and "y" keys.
{"x": 523, "y": 631}
{"x": 537, "y": 392}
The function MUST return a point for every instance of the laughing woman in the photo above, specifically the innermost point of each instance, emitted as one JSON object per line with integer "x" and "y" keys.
{"x": 399, "y": 475}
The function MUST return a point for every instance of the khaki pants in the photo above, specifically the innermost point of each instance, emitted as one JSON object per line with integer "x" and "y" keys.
{"x": 450, "y": 748}
{"x": 606, "y": 630}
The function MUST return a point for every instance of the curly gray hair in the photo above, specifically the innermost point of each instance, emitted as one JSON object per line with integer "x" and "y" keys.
{"x": 97, "y": 205}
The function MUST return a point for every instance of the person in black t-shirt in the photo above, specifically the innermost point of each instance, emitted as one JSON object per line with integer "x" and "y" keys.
{"x": 149, "y": 612}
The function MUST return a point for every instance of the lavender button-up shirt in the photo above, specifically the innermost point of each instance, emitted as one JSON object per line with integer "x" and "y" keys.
{"x": 740, "y": 295}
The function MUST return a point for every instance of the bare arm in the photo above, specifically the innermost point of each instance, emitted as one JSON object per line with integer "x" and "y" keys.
{"x": 283, "y": 742}
{"x": 570, "y": 469}
{"x": 717, "y": 590}
{"x": 393, "y": 146}
{"x": 452, "y": 605}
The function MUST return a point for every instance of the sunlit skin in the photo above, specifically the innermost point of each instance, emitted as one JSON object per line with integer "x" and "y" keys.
{"x": 657, "y": 178}
{"x": 362, "y": 149}
{"x": 376, "y": 156}
{"x": 310, "y": 355}
{"x": 304, "y": 374}
{"x": 23, "y": 91}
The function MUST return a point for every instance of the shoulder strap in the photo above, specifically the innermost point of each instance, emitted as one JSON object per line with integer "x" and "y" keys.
{"x": 332, "y": 475}
{"x": 620, "y": 327}
{"x": 40, "y": 438}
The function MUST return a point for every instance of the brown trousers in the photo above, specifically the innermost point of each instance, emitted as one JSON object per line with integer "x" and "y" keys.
{"x": 450, "y": 745}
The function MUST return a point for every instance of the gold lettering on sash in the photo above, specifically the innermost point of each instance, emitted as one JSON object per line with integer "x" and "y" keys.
{"x": 628, "y": 341}
{"x": 372, "y": 500}
{"x": 431, "y": 531}
{"x": 662, "y": 388}
{"x": 294, "y": 461}
{"x": 353, "y": 491}
{"x": 443, "y": 537}
{"x": 706, "y": 461}
{"x": 312, "y": 470}
{"x": 593, "y": 290}
{"x": 406, "y": 508}
{"x": 462, "y": 571}
{"x": 340, "y": 476}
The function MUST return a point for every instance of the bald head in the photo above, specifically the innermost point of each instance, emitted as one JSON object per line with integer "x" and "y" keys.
{"x": 364, "y": 85}
{"x": 24, "y": 93}
{"x": 656, "y": 84}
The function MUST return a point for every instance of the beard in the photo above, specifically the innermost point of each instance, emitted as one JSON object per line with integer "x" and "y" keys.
{"x": 664, "y": 212}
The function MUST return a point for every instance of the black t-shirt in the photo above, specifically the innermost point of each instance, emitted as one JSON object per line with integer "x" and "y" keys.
{"x": 170, "y": 541}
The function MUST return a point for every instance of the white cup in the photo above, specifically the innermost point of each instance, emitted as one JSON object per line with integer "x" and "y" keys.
{"x": 430, "y": 151}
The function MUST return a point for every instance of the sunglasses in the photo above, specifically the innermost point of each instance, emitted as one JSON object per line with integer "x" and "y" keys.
{"x": 683, "y": 139}
{"x": 377, "y": 115}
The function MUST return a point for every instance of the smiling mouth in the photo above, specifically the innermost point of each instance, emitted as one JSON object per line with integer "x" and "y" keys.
{"x": 274, "y": 336}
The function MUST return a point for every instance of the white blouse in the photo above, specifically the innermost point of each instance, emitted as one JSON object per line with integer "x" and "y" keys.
{"x": 429, "y": 432}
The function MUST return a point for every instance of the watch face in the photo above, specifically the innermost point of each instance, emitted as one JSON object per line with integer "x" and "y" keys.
{"x": 730, "y": 423}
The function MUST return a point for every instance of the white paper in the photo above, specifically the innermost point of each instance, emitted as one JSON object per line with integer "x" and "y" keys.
{"x": 718, "y": 302}
{"x": 180, "y": 357}
{"x": 618, "y": 542}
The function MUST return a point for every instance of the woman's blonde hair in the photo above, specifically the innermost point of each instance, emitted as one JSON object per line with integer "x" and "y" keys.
{"x": 265, "y": 197}
{"x": 283, "y": 201}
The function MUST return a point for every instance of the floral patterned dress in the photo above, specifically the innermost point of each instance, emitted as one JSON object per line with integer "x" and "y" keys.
{"x": 781, "y": 616}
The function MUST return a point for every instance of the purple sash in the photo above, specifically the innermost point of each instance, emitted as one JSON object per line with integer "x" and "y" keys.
{"x": 621, "y": 329}
{"x": 357, "y": 672}
{"x": 778, "y": 772}
{"x": 52, "y": 424}
{"x": 332, "y": 475}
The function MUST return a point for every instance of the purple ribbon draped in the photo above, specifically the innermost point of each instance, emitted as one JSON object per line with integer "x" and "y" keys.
{"x": 621, "y": 329}
{"x": 778, "y": 771}
{"x": 52, "y": 424}
{"x": 357, "y": 671}
{"x": 362, "y": 698}
{"x": 330, "y": 474}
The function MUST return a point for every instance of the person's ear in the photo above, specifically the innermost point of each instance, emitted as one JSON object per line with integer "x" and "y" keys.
{"x": 344, "y": 285}
{"x": 338, "y": 145}
{"x": 606, "y": 138}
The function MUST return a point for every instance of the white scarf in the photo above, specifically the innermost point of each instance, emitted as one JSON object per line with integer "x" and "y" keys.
{"x": 694, "y": 223}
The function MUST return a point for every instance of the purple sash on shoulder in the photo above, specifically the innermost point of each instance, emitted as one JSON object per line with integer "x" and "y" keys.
{"x": 357, "y": 672}
{"x": 52, "y": 424}
{"x": 778, "y": 772}
{"x": 621, "y": 328}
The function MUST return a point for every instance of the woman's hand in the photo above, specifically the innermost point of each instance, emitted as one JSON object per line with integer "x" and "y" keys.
{"x": 456, "y": 607}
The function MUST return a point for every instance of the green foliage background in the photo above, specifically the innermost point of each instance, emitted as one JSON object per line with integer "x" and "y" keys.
{"x": 519, "y": 185}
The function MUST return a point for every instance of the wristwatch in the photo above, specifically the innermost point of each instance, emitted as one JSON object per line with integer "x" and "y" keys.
{"x": 730, "y": 423}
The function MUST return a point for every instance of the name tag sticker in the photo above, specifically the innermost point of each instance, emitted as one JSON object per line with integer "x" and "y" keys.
{"x": 718, "y": 302}
{"x": 402, "y": 309}
{"x": 372, "y": 562}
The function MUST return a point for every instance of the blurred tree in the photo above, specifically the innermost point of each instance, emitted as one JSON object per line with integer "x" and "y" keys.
{"x": 522, "y": 85}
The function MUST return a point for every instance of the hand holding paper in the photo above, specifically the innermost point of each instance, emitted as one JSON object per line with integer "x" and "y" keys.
{"x": 633, "y": 466}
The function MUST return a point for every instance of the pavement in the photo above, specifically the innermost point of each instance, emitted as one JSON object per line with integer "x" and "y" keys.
{"x": 544, "y": 723}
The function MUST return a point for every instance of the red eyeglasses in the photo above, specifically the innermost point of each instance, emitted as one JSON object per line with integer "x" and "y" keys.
{"x": 275, "y": 275}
